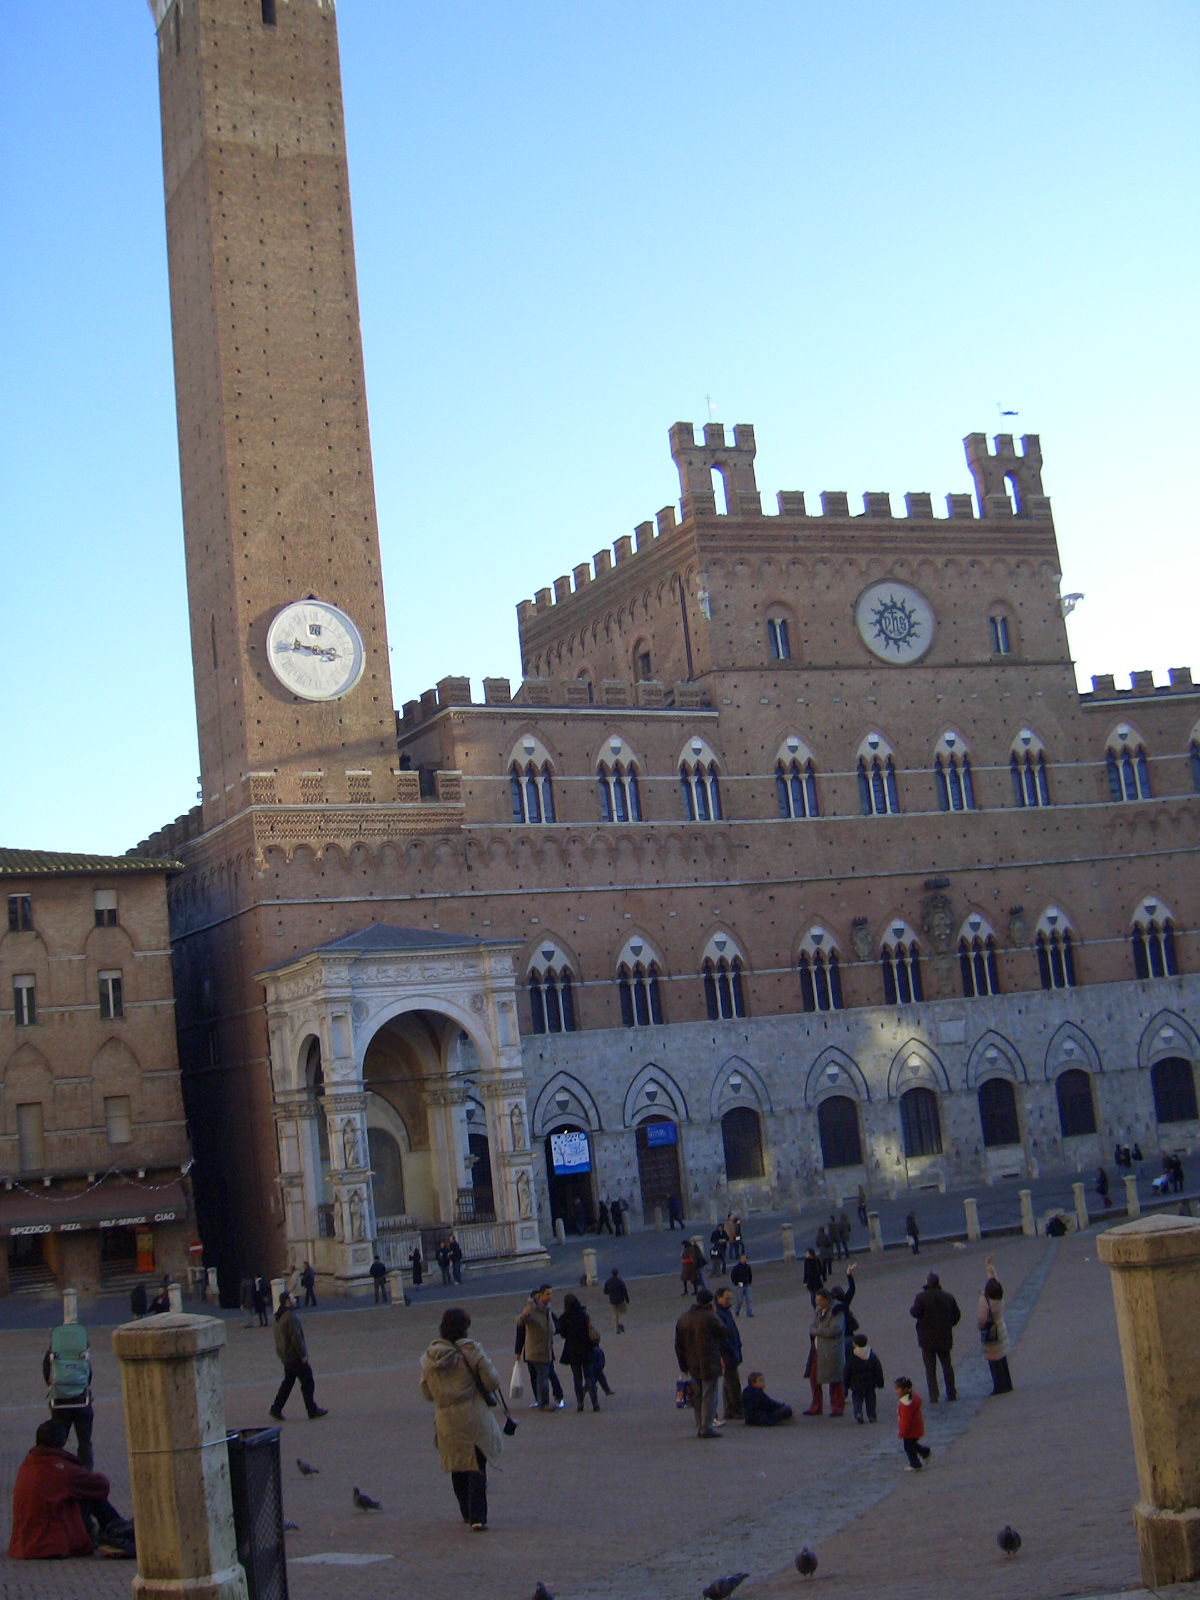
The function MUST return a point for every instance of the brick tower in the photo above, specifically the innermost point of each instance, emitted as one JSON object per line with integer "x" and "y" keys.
{"x": 278, "y": 498}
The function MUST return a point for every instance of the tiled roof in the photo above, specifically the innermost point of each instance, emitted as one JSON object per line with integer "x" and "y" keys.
{"x": 380, "y": 937}
{"x": 61, "y": 863}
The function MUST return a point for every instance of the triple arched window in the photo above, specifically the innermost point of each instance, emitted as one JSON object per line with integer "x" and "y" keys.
{"x": 900, "y": 961}
{"x": 1127, "y": 767}
{"x": 1152, "y": 939}
{"x": 552, "y": 998}
{"x": 1031, "y": 787}
{"x": 700, "y": 787}
{"x": 877, "y": 792}
{"x": 977, "y": 960}
{"x": 531, "y": 786}
{"x": 640, "y": 993}
{"x": 724, "y": 989}
{"x": 1055, "y": 953}
{"x": 952, "y": 779}
{"x": 820, "y": 980}
{"x": 620, "y": 796}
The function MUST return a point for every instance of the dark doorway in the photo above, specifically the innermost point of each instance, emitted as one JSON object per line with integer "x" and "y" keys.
{"x": 658, "y": 1163}
{"x": 573, "y": 1186}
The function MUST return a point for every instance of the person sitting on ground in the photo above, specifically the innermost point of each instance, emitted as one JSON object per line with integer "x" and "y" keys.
{"x": 758, "y": 1409}
{"x": 1056, "y": 1227}
{"x": 60, "y": 1508}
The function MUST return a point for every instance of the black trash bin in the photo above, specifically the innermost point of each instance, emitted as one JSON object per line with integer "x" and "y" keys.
{"x": 257, "y": 1485}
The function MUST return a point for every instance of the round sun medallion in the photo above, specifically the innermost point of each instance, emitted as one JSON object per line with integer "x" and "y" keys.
{"x": 895, "y": 622}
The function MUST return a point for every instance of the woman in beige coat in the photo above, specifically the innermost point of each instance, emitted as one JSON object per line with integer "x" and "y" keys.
{"x": 993, "y": 1331}
{"x": 455, "y": 1376}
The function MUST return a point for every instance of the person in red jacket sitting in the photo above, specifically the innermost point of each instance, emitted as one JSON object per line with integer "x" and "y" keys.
{"x": 62, "y": 1509}
{"x": 911, "y": 1425}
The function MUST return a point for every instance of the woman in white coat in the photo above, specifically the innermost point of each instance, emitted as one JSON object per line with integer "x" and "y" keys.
{"x": 993, "y": 1331}
{"x": 456, "y": 1374}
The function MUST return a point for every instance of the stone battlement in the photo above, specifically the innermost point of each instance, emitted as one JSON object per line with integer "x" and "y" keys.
{"x": 1008, "y": 485}
{"x": 558, "y": 693}
{"x": 1179, "y": 681}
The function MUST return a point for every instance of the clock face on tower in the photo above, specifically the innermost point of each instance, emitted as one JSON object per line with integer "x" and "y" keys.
{"x": 315, "y": 650}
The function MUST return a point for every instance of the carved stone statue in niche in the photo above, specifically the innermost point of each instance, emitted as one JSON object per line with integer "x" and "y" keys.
{"x": 351, "y": 1144}
{"x": 524, "y": 1197}
{"x": 357, "y": 1215}
{"x": 516, "y": 1122}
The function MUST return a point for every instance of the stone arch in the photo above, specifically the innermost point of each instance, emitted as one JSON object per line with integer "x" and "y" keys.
{"x": 669, "y": 1099}
{"x": 834, "y": 1072}
{"x": 994, "y": 1056}
{"x": 1069, "y": 1047}
{"x": 582, "y": 1106}
{"x": 916, "y": 1065}
{"x": 752, "y": 1093}
{"x": 1167, "y": 1034}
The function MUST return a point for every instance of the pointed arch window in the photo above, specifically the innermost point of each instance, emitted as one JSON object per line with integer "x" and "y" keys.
{"x": 900, "y": 962}
{"x": 796, "y": 789}
{"x": 1173, "y": 1082}
{"x": 1031, "y": 786}
{"x": 639, "y": 991}
{"x": 920, "y": 1123}
{"x": 532, "y": 789}
{"x": 998, "y": 1120}
{"x": 778, "y": 639}
{"x": 620, "y": 795}
{"x": 1152, "y": 940}
{"x": 977, "y": 965}
{"x": 820, "y": 981}
{"x": 700, "y": 786}
{"x": 838, "y": 1131}
{"x": 1128, "y": 770}
{"x": 724, "y": 989}
{"x": 1076, "y": 1107}
{"x": 953, "y": 781}
{"x": 741, "y": 1137}
{"x": 1056, "y": 958}
{"x": 552, "y": 998}
{"x": 877, "y": 791}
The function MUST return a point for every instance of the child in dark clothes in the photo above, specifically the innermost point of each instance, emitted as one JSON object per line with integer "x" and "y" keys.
{"x": 758, "y": 1409}
{"x": 864, "y": 1374}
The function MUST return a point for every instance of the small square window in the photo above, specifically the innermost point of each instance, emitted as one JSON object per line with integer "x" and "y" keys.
{"x": 112, "y": 997}
{"x": 20, "y": 913}
{"x": 118, "y": 1122}
{"x": 105, "y": 904}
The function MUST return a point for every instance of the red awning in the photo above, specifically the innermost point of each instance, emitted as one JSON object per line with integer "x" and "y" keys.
{"x": 114, "y": 1204}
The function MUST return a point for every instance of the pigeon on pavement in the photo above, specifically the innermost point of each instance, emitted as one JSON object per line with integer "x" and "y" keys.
{"x": 541, "y": 1592}
{"x": 722, "y": 1588}
{"x": 1009, "y": 1540}
{"x": 364, "y": 1501}
{"x": 306, "y": 1471}
{"x": 806, "y": 1562}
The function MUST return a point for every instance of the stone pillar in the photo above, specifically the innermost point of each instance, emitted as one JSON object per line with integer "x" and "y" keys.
{"x": 178, "y": 1462}
{"x": 1082, "y": 1220}
{"x": 971, "y": 1208}
{"x": 70, "y": 1305}
{"x": 589, "y": 1266}
{"x": 789, "y": 1241}
{"x": 396, "y": 1287}
{"x": 175, "y": 1296}
{"x": 659, "y": 1220}
{"x": 1155, "y": 1266}
{"x": 278, "y": 1285}
{"x": 1028, "y": 1228}
{"x": 874, "y": 1231}
{"x": 560, "y": 1230}
{"x": 1133, "y": 1202}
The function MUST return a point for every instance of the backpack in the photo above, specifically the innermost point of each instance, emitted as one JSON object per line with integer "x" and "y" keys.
{"x": 70, "y": 1366}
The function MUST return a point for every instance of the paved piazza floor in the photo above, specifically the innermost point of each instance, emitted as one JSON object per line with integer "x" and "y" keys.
{"x": 629, "y": 1505}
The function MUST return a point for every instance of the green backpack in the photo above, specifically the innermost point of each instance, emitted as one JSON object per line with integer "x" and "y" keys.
{"x": 70, "y": 1366}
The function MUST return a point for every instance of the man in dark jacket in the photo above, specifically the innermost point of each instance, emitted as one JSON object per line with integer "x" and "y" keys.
{"x": 292, "y": 1351}
{"x": 731, "y": 1356}
{"x": 937, "y": 1315}
{"x": 699, "y": 1344}
{"x": 617, "y": 1295}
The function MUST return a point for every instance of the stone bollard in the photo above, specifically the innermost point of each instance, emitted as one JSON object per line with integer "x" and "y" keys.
{"x": 178, "y": 1460}
{"x": 70, "y": 1305}
{"x": 1081, "y": 1211}
{"x": 1028, "y": 1226}
{"x": 1133, "y": 1202}
{"x": 971, "y": 1208}
{"x": 278, "y": 1289}
{"x": 560, "y": 1230}
{"x": 1155, "y": 1266}
{"x": 396, "y": 1287}
{"x": 789, "y": 1241}
{"x": 874, "y": 1231}
{"x": 712, "y": 1213}
{"x": 589, "y": 1266}
{"x": 659, "y": 1221}
{"x": 175, "y": 1296}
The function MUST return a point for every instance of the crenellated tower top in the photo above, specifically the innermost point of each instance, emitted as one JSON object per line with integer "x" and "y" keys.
{"x": 1000, "y": 470}
{"x": 733, "y": 462}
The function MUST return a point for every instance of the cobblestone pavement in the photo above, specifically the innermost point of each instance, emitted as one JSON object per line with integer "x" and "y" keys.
{"x": 640, "y": 1509}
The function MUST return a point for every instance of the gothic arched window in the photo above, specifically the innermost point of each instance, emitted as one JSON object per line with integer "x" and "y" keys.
{"x": 1056, "y": 958}
{"x": 998, "y": 1119}
{"x": 953, "y": 782}
{"x": 552, "y": 999}
{"x": 1076, "y": 1107}
{"x": 620, "y": 796}
{"x": 699, "y": 784}
{"x": 877, "y": 792}
{"x": 837, "y": 1128}
{"x": 920, "y": 1123}
{"x": 1030, "y": 784}
{"x": 532, "y": 789}
{"x": 638, "y": 989}
{"x": 1173, "y": 1081}
{"x": 796, "y": 789}
{"x": 778, "y": 641}
{"x": 741, "y": 1136}
{"x": 1128, "y": 769}
{"x": 724, "y": 992}
{"x": 900, "y": 962}
{"x": 977, "y": 964}
{"x": 820, "y": 981}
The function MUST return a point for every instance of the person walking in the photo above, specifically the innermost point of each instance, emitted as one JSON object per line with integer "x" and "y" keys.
{"x": 603, "y": 1219}
{"x": 827, "y": 1356}
{"x": 910, "y": 1425}
{"x": 731, "y": 1356}
{"x": 718, "y": 1245}
{"x": 699, "y": 1338}
{"x": 741, "y": 1276}
{"x": 993, "y": 1331}
{"x": 1102, "y": 1188}
{"x": 814, "y": 1277}
{"x": 844, "y": 1232}
{"x": 824, "y": 1248}
{"x": 616, "y": 1210}
{"x": 864, "y": 1375}
{"x": 691, "y": 1268}
{"x": 262, "y": 1301}
{"x": 674, "y": 1212}
{"x": 575, "y": 1329}
{"x": 308, "y": 1282}
{"x": 537, "y": 1349}
{"x": 379, "y": 1280}
{"x": 617, "y": 1295}
{"x": 457, "y": 1377}
{"x": 417, "y": 1264}
{"x": 292, "y": 1350}
{"x": 937, "y": 1315}
{"x": 912, "y": 1233}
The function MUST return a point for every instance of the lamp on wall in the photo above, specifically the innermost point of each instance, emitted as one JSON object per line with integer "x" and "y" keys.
{"x": 562, "y": 1100}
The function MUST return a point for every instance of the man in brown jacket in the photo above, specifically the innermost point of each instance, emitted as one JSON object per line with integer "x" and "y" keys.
{"x": 699, "y": 1343}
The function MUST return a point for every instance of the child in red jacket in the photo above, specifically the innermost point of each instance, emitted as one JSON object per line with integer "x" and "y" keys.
{"x": 911, "y": 1425}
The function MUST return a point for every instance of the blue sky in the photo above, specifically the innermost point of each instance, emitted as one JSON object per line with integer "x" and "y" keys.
{"x": 862, "y": 228}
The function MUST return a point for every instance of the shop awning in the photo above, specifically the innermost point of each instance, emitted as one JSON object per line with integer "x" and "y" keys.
{"x": 114, "y": 1204}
